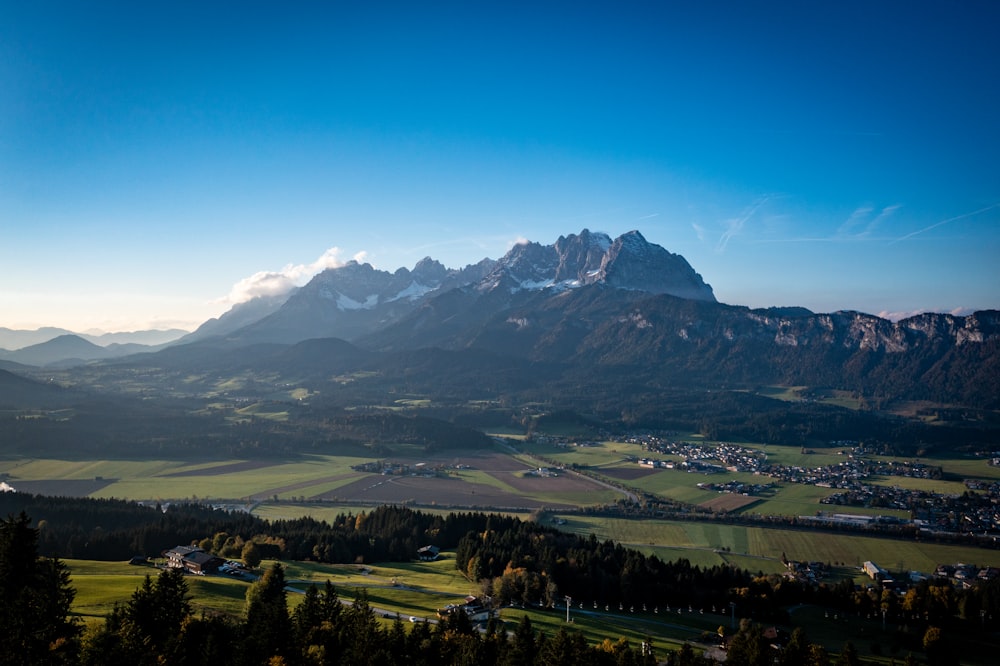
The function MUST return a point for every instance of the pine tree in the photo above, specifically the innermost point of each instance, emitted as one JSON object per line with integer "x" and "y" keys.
{"x": 524, "y": 647}
{"x": 146, "y": 628}
{"x": 565, "y": 649}
{"x": 35, "y": 626}
{"x": 361, "y": 634}
{"x": 268, "y": 626}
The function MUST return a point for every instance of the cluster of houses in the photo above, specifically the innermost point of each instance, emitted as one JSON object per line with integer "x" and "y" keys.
{"x": 976, "y": 512}
{"x": 966, "y": 575}
{"x": 730, "y": 457}
{"x": 736, "y": 458}
{"x": 851, "y": 472}
{"x": 805, "y": 572}
{"x": 960, "y": 575}
{"x": 387, "y": 468}
{"x": 544, "y": 472}
{"x": 740, "y": 488}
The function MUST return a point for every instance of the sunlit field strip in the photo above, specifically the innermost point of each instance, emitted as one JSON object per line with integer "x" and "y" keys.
{"x": 804, "y": 545}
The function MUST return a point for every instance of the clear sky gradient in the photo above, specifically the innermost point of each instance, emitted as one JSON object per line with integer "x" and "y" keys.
{"x": 161, "y": 160}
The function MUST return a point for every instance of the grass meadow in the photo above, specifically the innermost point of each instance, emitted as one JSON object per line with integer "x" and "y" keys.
{"x": 761, "y": 547}
{"x": 100, "y": 585}
{"x": 179, "y": 480}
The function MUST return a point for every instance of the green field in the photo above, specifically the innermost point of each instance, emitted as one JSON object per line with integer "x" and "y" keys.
{"x": 597, "y": 454}
{"x": 702, "y": 542}
{"x": 802, "y": 393}
{"x": 179, "y": 480}
{"x": 99, "y": 585}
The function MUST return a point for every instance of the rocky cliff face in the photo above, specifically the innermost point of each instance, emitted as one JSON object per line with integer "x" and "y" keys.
{"x": 860, "y": 331}
{"x": 629, "y": 262}
{"x": 633, "y": 263}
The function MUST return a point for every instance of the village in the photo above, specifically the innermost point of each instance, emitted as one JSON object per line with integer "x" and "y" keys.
{"x": 973, "y": 512}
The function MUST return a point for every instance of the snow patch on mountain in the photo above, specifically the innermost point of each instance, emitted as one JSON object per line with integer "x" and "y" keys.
{"x": 415, "y": 291}
{"x": 345, "y": 303}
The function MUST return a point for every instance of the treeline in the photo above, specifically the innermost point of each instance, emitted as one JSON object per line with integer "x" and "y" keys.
{"x": 531, "y": 564}
{"x": 109, "y": 529}
{"x": 431, "y": 434}
{"x": 157, "y": 625}
{"x": 128, "y": 428}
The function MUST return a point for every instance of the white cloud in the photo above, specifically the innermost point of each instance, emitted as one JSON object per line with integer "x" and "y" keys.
{"x": 274, "y": 283}
{"x": 899, "y": 316}
{"x": 906, "y": 314}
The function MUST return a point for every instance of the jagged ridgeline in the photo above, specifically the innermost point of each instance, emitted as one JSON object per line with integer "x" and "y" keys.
{"x": 578, "y": 313}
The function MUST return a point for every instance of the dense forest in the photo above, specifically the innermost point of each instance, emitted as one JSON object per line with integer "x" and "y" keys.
{"x": 515, "y": 562}
{"x": 170, "y": 430}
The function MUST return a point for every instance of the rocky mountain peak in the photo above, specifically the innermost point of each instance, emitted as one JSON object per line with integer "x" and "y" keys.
{"x": 628, "y": 262}
{"x": 634, "y": 263}
{"x": 429, "y": 271}
{"x": 580, "y": 255}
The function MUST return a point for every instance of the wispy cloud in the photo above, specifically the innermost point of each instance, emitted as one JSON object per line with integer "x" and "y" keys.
{"x": 735, "y": 225}
{"x": 944, "y": 222}
{"x": 274, "y": 283}
{"x": 861, "y": 224}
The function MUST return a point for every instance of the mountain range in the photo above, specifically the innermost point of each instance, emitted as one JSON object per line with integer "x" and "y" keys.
{"x": 584, "y": 307}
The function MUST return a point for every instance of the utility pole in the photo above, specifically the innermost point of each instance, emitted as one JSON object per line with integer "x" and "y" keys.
{"x": 569, "y": 602}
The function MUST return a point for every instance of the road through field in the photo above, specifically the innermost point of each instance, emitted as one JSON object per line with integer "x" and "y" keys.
{"x": 630, "y": 496}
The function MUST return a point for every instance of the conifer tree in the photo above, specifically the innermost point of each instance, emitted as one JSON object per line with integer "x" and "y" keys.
{"x": 35, "y": 627}
{"x": 268, "y": 626}
{"x": 524, "y": 646}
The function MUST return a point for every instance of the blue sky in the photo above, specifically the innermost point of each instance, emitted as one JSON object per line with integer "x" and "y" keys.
{"x": 160, "y": 160}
